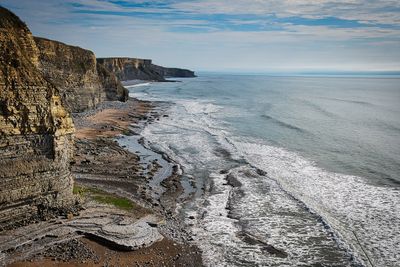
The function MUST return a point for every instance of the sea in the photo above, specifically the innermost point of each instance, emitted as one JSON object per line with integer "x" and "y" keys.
{"x": 285, "y": 170}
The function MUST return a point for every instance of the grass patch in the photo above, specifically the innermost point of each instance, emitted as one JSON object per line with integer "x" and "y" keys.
{"x": 105, "y": 197}
{"x": 77, "y": 190}
{"x": 83, "y": 190}
{"x": 118, "y": 202}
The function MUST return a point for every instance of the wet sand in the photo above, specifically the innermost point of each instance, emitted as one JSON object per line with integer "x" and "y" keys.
{"x": 163, "y": 253}
{"x": 111, "y": 119}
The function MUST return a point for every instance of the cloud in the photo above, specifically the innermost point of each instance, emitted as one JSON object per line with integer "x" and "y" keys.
{"x": 376, "y": 11}
{"x": 232, "y": 33}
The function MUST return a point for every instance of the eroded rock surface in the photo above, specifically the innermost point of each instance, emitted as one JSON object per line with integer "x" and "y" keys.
{"x": 119, "y": 231}
{"x": 105, "y": 224}
{"x": 36, "y": 132}
{"x": 82, "y": 82}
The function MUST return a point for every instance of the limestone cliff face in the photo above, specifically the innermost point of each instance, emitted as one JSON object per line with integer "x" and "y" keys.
{"x": 74, "y": 71}
{"x": 36, "y": 131}
{"x": 131, "y": 68}
{"x": 112, "y": 86}
{"x": 141, "y": 69}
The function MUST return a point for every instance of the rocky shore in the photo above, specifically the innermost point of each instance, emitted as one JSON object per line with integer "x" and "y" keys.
{"x": 126, "y": 218}
{"x": 78, "y": 184}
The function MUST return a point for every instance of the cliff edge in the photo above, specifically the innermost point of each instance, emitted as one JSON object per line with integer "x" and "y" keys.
{"x": 82, "y": 82}
{"x": 36, "y": 131}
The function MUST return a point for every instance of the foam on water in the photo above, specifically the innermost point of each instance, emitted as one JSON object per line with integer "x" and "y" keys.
{"x": 366, "y": 217}
{"x": 196, "y": 107}
{"x": 137, "y": 85}
{"x": 297, "y": 214}
{"x": 191, "y": 138}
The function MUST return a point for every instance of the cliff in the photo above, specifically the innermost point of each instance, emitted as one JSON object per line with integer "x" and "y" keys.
{"x": 141, "y": 69}
{"x": 174, "y": 72}
{"x": 74, "y": 71}
{"x": 36, "y": 131}
{"x": 131, "y": 68}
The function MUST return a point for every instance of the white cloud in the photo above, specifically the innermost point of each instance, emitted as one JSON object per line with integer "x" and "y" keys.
{"x": 380, "y": 11}
{"x": 294, "y": 46}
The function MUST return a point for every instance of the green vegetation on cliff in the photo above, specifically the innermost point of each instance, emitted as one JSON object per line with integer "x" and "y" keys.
{"x": 105, "y": 197}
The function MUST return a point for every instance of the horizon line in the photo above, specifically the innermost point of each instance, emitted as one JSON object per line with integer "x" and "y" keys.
{"x": 304, "y": 72}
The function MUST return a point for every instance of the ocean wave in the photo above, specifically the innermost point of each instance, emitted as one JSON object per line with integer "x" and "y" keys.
{"x": 388, "y": 126}
{"x": 295, "y": 202}
{"x": 366, "y": 217}
{"x": 282, "y": 123}
{"x": 319, "y": 109}
{"x": 196, "y": 107}
{"x": 197, "y": 141}
{"x": 137, "y": 85}
{"x": 349, "y": 101}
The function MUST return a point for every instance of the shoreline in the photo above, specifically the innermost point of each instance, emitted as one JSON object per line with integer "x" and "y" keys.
{"x": 233, "y": 186}
{"x": 102, "y": 163}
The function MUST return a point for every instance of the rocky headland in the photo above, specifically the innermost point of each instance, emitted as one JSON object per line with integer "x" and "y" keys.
{"x": 141, "y": 69}
{"x": 173, "y": 72}
{"x": 70, "y": 192}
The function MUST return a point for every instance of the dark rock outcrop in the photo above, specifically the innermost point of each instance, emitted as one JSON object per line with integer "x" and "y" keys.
{"x": 174, "y": 72}
{"x": 36, "y": 131}
{"x": 141, "y": 69}
{"x": 74, "y": 71}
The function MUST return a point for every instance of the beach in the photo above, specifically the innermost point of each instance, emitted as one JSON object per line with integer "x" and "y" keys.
{"x": 212, "y": 180}
{"x": 200, "y": 133}
{"x": 112, "y": 182}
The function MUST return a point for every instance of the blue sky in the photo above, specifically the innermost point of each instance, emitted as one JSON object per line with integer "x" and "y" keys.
{"x": 227, "y": 35}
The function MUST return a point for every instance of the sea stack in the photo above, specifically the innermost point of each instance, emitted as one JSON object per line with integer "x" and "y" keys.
{"x": 36, "y": 132}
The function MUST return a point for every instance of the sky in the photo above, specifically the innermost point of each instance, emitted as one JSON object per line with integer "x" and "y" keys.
{"x": 227, "y": 35}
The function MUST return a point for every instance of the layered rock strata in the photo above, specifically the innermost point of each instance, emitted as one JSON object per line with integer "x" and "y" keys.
{"x": 36, "y": 131}
{"x": 131, "y": 68}
{"x": 141, "y": 69}
{"x": 114, "y": 228}
{"x": 83, "y": 83}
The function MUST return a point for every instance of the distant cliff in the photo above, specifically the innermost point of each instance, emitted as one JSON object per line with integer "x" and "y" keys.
{"x": 174, "y": 72}
{"x": 74, "y": 71}
{"x": 141, "y": 69}
{"x": 36, "y": 131}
